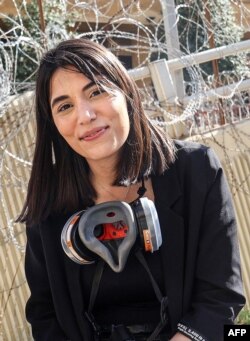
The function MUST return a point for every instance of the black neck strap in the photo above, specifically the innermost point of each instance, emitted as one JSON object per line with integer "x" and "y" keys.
{"x": 94, "y": 290}
{"x": 162, "y": 299}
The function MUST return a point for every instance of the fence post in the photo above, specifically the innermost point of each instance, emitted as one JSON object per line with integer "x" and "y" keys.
{"x": 169, "y": 84}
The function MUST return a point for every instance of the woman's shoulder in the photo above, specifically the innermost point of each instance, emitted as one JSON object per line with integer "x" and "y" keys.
{"x": 189, "y": 147}
{"x": 195, "y": 161}
{"x": 51, "y": 222}
{"x": 196, "y": 152}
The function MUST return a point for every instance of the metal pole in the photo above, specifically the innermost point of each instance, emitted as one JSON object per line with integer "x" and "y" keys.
{"x": 196, "y": 58}
{"x": 41, "y": 16}
{"x": 173, "y": 45}
{"x": 226, "y": 90}
{"x": 205, "y": 56}
{"x": 214, "y": 61}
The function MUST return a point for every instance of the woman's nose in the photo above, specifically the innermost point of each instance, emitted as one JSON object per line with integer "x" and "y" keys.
{"x": 85, "y": 113}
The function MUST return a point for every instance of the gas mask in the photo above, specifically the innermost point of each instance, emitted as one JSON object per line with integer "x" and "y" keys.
{"x": 110, "y": 230}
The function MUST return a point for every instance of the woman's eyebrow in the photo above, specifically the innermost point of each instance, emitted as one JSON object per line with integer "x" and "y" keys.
{"x": 58, "y": 99}
{"x": 63, "y": 97}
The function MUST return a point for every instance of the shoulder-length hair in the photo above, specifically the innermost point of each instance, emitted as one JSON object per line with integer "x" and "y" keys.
{"x": 59, "y": 180}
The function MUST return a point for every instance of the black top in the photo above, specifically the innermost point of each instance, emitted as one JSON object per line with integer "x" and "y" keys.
{"x": 117, "y": 300}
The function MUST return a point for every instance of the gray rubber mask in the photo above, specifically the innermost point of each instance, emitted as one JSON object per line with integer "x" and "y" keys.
{"x": 110, "y": 230}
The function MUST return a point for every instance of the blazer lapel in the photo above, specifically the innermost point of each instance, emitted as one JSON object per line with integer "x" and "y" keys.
{"x": 168, "y": 196}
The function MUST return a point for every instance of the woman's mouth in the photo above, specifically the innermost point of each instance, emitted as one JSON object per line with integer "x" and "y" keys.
{"x": 93, "y": 134}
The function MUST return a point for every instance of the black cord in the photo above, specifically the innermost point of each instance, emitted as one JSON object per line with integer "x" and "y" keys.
{"x": 142, "y": 189}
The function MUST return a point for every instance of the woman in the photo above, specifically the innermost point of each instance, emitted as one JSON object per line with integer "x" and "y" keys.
{"x": 95, "y": 145}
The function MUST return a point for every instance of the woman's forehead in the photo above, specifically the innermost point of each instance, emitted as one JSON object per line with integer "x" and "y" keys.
{"x": 63, "y": 77}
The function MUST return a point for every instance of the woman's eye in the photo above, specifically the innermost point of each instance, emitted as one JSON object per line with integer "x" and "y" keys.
{"x": 64, "y": 107}
{"x": 96, "y": 92}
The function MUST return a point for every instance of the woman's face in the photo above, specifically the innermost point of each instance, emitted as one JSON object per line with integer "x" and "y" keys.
{"x": 93, "y": 122}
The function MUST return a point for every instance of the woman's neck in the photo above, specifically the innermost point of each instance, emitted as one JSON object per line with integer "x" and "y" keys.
{"x": 102, "y": 176}
{"x": 102, "y": 173}
{"x": 107, "y": 192}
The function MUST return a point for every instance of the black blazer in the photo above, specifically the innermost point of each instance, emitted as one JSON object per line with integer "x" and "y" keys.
{"x": 199, "y": 252}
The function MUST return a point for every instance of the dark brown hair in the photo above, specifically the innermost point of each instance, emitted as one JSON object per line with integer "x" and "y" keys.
{"x": 59, "y": 178}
